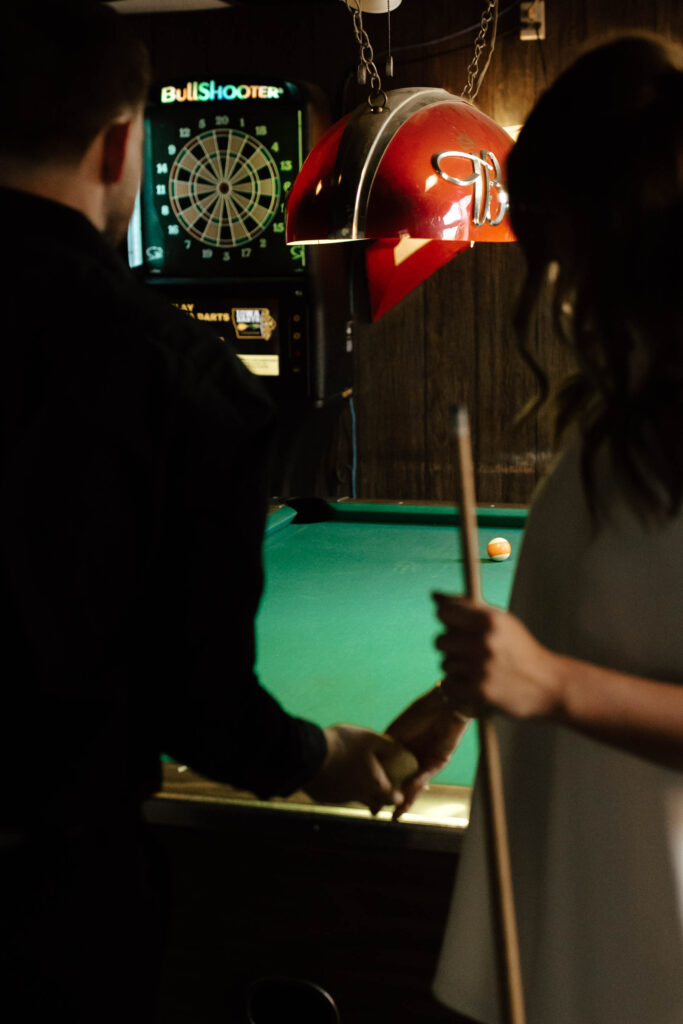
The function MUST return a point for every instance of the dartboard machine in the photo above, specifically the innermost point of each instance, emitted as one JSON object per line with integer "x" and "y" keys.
{"x": 209, "y": 232}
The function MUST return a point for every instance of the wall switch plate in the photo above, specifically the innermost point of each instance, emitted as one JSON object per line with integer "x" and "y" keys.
{"x": 532, "y": 20}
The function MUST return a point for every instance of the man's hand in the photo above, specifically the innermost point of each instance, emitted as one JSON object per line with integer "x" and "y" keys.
{"x": 430, "y": 731}
{"x": 353, "y": 769}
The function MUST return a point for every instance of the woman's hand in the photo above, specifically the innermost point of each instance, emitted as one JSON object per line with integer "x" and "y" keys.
{"x": 431, "y": 732}
{"x": 492, "y": 660}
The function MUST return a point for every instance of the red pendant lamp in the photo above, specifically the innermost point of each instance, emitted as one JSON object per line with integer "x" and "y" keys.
{"x": 420, "y": 172}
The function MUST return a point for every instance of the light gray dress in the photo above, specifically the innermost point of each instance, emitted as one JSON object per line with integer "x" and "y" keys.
{"x": 596, "y": 835}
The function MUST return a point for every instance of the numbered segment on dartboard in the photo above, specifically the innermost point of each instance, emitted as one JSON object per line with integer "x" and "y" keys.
{"x": 219, "y": 162}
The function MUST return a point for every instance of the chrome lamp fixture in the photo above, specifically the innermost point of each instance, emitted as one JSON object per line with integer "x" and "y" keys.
{"x": 416, "y": 172}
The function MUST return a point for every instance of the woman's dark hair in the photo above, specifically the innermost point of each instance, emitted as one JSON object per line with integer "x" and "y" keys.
{"x": 596, "y": 201}
{"x": 67, "y": 67}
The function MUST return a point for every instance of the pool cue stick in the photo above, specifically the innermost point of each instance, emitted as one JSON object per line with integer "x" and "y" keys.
{"x": 510, "y": 976}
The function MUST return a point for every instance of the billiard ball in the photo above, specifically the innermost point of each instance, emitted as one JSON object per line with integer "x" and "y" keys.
{"x": 498, "y": 549}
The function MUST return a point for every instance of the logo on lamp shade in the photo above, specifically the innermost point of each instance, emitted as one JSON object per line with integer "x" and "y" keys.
{"x": 485, "y": 177}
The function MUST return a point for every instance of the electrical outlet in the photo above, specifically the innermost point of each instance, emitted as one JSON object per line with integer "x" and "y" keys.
{"x": 532, "y": 20}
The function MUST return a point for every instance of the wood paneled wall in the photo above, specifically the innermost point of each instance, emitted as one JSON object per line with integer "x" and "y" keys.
{"x": 451, "y": 339}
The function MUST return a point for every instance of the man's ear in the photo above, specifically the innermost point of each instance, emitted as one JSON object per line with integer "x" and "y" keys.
{"x": 114, "y": 149}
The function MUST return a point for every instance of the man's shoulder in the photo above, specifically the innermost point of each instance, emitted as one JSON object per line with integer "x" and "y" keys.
{"x": 111, "y": 325}
{"x": 197, "y": 352}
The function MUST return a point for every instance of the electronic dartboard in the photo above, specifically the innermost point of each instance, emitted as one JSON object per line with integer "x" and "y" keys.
{"x": 220, "y": 159}
{"x": 224, "y": 188}
{"x": 209, "y": 228}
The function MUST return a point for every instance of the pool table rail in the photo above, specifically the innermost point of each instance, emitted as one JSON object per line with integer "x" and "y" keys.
{"x": 436, "y": 821}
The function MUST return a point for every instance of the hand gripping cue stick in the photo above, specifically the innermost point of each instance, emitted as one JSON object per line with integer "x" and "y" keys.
{"x": 510, "y": 975}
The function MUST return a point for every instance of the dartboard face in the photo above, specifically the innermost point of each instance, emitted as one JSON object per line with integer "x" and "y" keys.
{"x": 224, "y": 188}
{"x": 219, "y": 161}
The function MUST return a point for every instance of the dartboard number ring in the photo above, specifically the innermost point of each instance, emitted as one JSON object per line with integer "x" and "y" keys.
{"x": 224, "y": 187}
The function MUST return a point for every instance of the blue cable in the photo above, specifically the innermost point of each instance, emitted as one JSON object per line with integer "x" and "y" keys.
{"x": 354, "y": 450}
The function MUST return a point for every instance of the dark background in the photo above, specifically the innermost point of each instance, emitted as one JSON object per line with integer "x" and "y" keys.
{"x": 451, "y": 339}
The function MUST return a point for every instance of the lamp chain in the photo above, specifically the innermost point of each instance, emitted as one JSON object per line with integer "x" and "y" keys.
{"x": 366, "y": 67}
{"x": 473, "y": 76}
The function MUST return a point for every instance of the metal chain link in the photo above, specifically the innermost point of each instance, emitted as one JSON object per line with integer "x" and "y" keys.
{"x": 469, "y": 92}
{"x": 366, "y": 67}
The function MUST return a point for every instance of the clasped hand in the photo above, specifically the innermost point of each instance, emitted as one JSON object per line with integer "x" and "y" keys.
{"x": 356, "y": 768}
{"x": 490, "y": 660}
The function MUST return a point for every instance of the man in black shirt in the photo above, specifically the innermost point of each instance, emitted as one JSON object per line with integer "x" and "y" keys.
{"x": 133, "y": 501}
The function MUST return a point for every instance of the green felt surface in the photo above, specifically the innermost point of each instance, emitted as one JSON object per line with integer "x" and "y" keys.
{"x": 346, "y": 627}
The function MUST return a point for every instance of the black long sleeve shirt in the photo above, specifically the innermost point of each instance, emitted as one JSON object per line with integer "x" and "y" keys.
{"x": 133, "y": 496}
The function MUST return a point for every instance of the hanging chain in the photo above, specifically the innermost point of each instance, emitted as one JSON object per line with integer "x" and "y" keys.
{"x": 366, "y": 66}
{"x": 469, "y": 92}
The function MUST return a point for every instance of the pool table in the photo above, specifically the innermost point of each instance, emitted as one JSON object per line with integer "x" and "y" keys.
{"x": 346, "y": 627}
{"x": 289, "y": 888}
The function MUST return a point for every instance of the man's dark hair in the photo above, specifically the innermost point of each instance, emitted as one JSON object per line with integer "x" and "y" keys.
{"x": 67, "y": 67}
